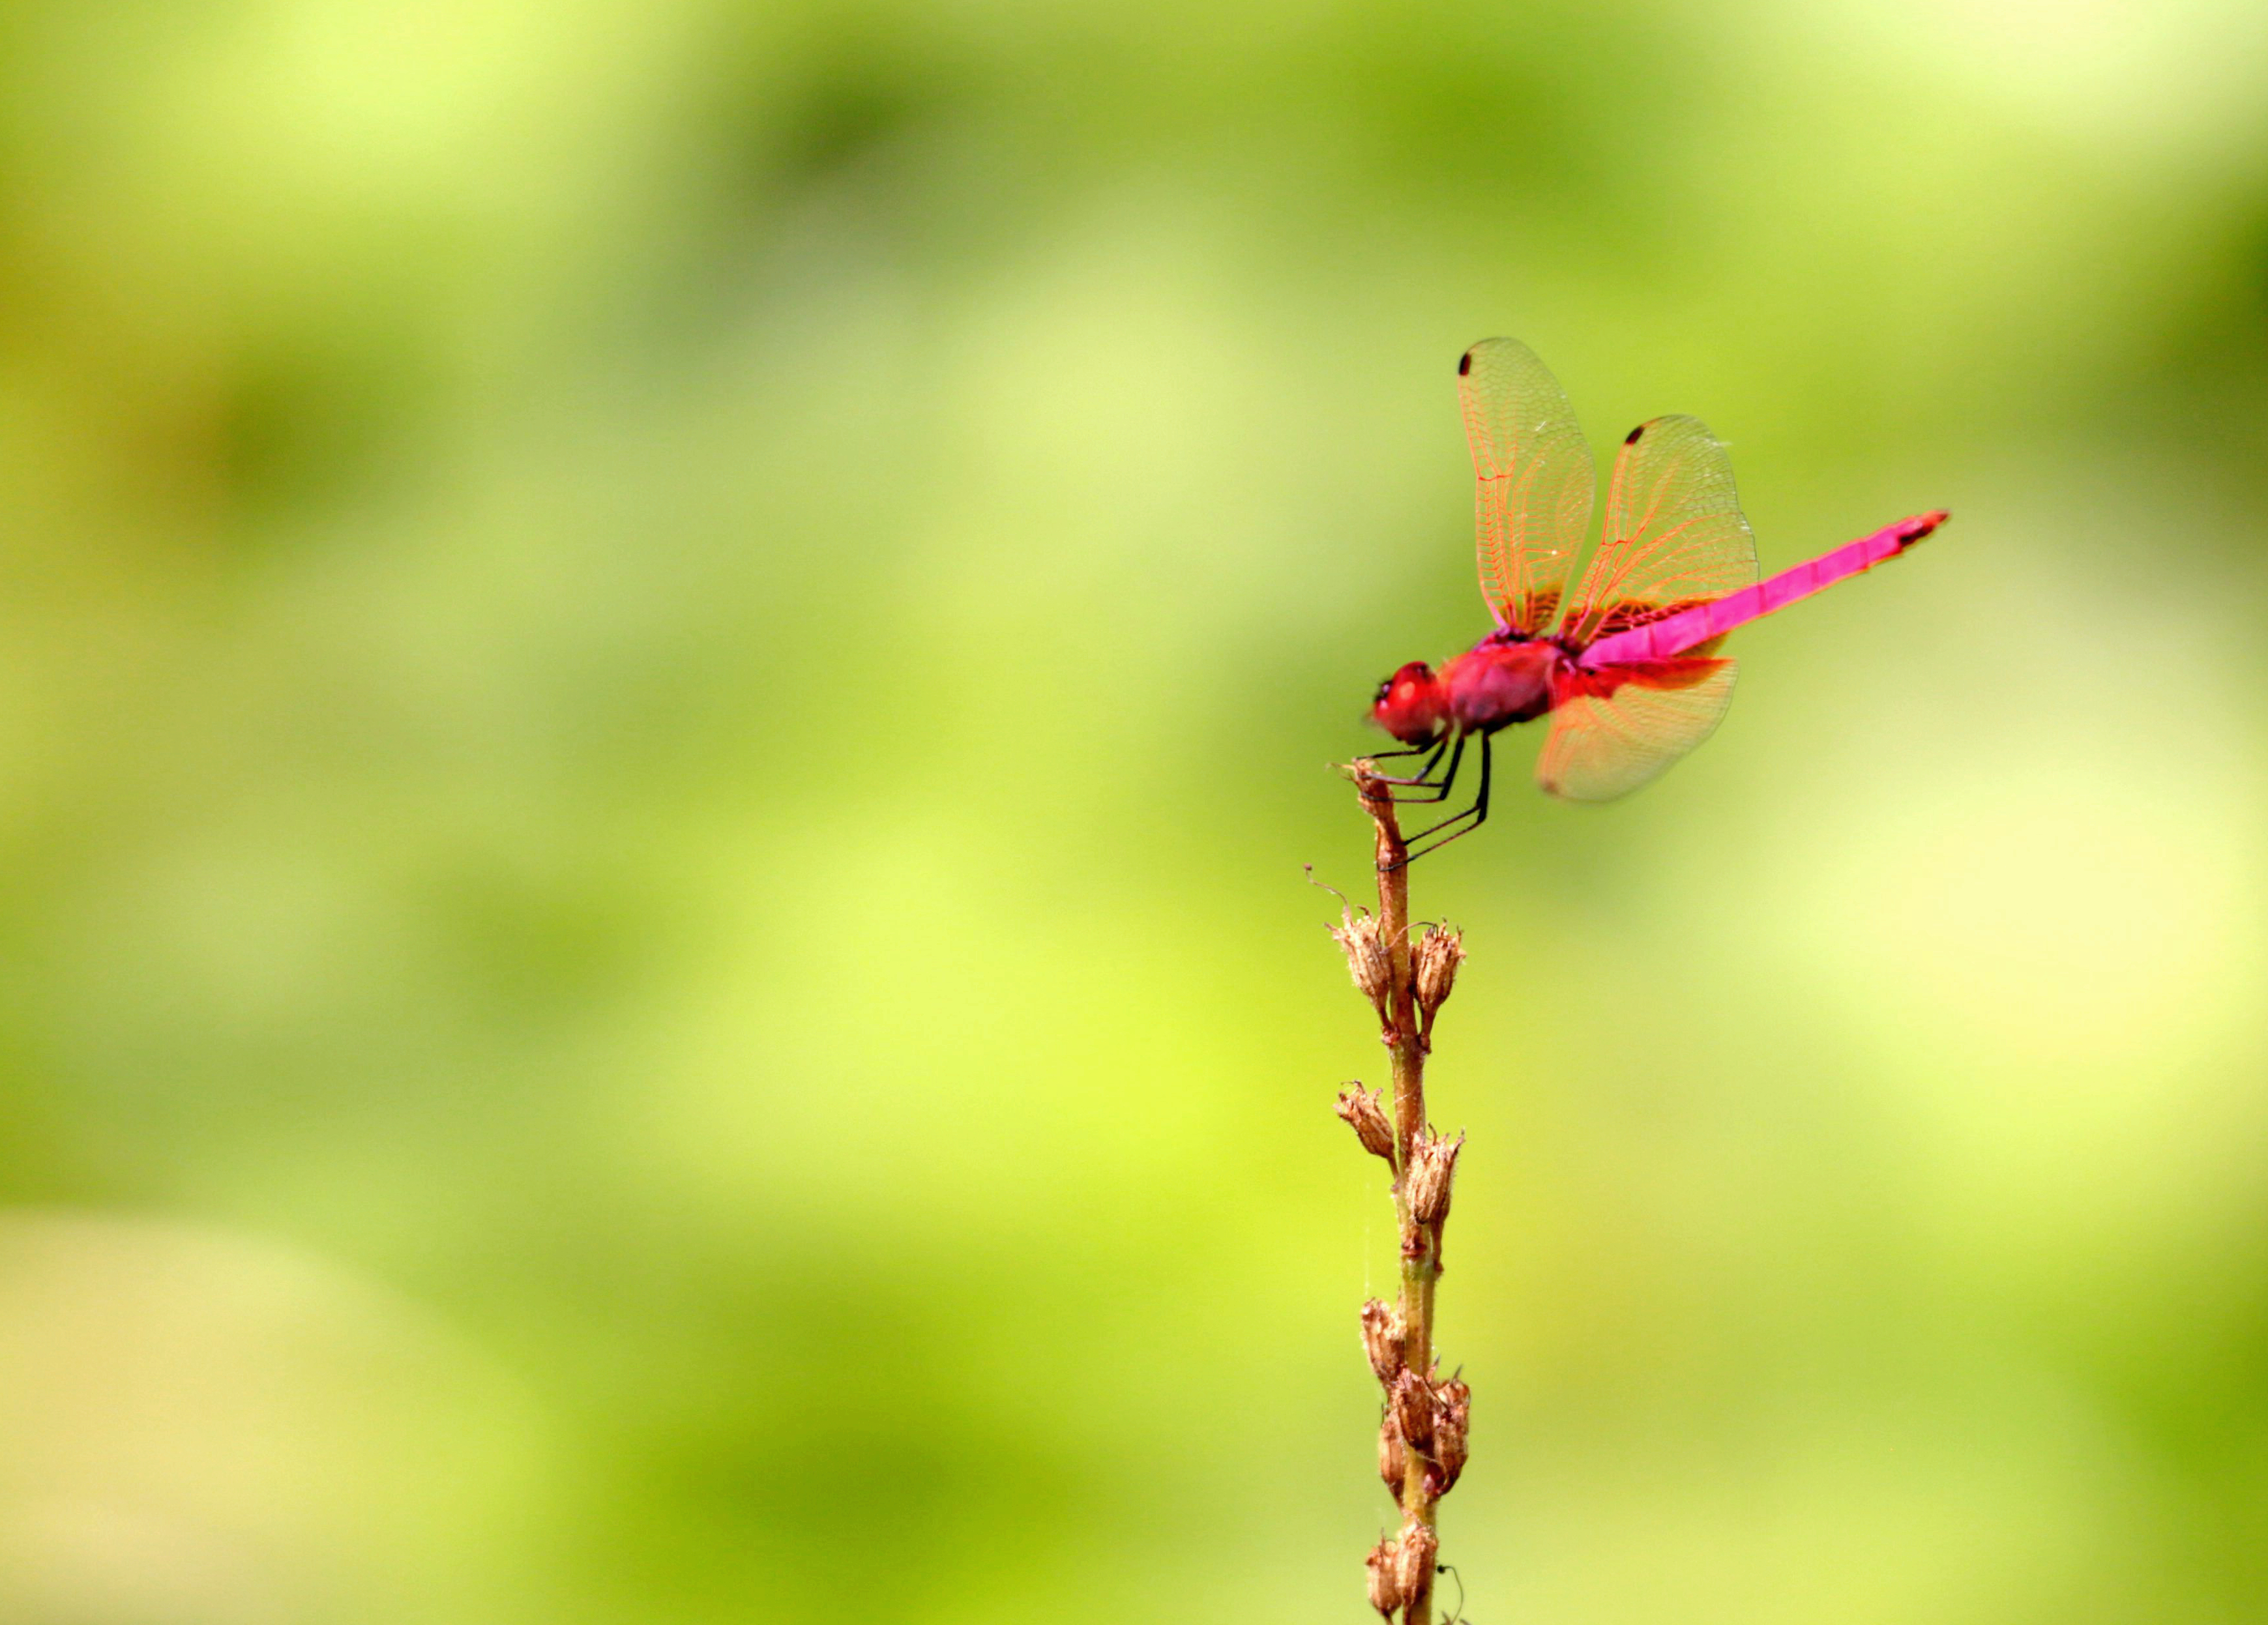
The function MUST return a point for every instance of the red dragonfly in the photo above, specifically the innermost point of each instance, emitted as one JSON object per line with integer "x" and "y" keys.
{"x": 1629, "y": 673}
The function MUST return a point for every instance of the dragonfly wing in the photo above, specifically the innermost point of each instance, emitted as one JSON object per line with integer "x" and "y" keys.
{"x": 1535, "y": 480}
{"x": 1674, "y": 537}
{"x": 1614, "y": 729}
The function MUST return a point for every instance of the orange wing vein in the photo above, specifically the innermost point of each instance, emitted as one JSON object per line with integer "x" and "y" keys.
{"x": 1535, "y": 480}
{"x": 1674, "y": 535}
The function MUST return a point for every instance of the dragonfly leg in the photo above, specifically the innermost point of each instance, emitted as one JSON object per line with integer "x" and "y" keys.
{"x": 1432, "y": 789}
{"x": 1472, "y": 817}
{"x": 1424, "y": 774}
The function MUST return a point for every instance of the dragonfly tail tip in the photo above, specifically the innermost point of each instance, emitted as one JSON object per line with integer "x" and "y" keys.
{"x": 1922, "y": 525}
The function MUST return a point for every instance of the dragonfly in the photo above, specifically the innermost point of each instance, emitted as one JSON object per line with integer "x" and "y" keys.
{"x": 1627, "y": 670}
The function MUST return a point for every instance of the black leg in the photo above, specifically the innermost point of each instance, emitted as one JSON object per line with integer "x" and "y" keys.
{"x": 1425, "y": 781}
{"x": 1472, "y": 817}
{"x": 1432, "y": 753}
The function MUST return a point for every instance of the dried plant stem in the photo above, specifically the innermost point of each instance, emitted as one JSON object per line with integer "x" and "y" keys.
{"x": 1421, "y": 1265}
{"x": 1425, "y": 1419}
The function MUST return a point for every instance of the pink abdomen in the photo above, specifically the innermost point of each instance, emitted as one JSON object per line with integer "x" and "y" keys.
{"x": 1674, "y": 635}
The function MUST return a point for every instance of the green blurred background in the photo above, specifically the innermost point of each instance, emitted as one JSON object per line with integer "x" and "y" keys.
{"x": 665, "y": 669}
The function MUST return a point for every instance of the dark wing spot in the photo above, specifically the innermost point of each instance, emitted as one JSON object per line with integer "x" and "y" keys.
{"x": 1464, "y": 363}
{"x": 1632, "y": 438}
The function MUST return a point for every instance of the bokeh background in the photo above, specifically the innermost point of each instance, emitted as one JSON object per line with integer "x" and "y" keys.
{"x": 666, "y": 668}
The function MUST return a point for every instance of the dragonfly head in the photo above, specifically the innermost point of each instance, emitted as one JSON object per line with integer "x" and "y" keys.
{"x": 1411, "y": 706}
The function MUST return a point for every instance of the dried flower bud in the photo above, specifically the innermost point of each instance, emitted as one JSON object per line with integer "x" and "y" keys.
{"x": 1366, "y": 954}
{"x": 1436, "y": 958}
{"x": 1413, "y": 1563}
{"x": 1393, "y": 1457}
{"x": 1453, "y": 1414}
{"x": 1433, "y": 1167}
{"x": 1411, "y": 1400}
{"x": 1385, "y": 1578}
{"x": 1365, "y": 1111}
{"x": 1382, "y": 1338}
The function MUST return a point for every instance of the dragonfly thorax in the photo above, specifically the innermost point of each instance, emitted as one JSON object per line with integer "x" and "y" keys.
{"x": 1496, "y": 683}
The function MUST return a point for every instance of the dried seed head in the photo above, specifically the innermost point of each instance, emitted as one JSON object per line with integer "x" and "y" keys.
{"x": 1365, "y": 1111}
{"x": 1413, "y": 1564}
{"x": 1393, "y": 1457}
{"x": 1436, "y": 958}
{"x": 1365, "y": 947}
{"x": 1453, "y": 1415}
{"x": 1382, "y": 1338}
{"x": 1385, "y": 1578}
{"x": 1411, "y": 1400}
{"x": 1432, "y": 1168}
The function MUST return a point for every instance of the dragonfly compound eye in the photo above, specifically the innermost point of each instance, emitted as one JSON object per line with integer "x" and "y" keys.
{"x": 1407, "y": 704}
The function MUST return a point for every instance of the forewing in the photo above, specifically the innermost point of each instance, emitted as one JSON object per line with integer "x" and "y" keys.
{"x": 1674, "y": 535}
{"x": 1535, "y": 480}
{"x": 1616, "y": 729}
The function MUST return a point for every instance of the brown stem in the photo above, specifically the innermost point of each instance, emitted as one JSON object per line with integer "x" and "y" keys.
{"x": 1406, "y": 1046}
